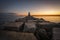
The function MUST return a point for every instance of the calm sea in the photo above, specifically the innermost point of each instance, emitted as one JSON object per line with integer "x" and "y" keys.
{"x": 50, "y": 18}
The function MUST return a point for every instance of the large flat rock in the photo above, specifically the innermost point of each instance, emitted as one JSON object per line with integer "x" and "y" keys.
{"x": 29, "y": 27}
{"x": 26, "y": 36}
{"x": 11, "y": 35}
{"x": 56, "y": 33}
{"x": 13, "y": 24}
{"x": 30, "y": 24}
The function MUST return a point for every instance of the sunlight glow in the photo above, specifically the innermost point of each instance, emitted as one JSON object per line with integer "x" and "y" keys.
{"x": 50, "y": 12}
{"x": 43, "y": 12}
{"x": 46, "y": 12}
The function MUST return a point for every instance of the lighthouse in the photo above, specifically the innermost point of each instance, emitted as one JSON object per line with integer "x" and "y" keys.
{"x": 28, "y": 13}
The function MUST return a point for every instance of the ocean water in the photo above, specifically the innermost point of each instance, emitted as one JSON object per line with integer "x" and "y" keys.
{"x": 7, "y": 17}
{"x": 50, "y": 18}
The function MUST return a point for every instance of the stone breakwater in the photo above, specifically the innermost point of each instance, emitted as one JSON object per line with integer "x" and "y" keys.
{"x": 42, "y": 29}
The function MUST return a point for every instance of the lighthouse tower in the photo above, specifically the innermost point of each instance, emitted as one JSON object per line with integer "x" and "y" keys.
{"x": 28, "y": 13}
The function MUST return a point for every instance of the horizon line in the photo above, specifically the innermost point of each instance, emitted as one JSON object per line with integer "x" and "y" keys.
{"x": 40, "y": 15}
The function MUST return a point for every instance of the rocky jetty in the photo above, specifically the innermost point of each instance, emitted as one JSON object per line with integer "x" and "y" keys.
{"x": 29, "y": 18}
{"x": 42, "y": 29}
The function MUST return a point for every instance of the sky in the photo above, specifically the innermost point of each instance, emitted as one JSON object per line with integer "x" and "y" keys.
{"x": 35, "y": 7}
